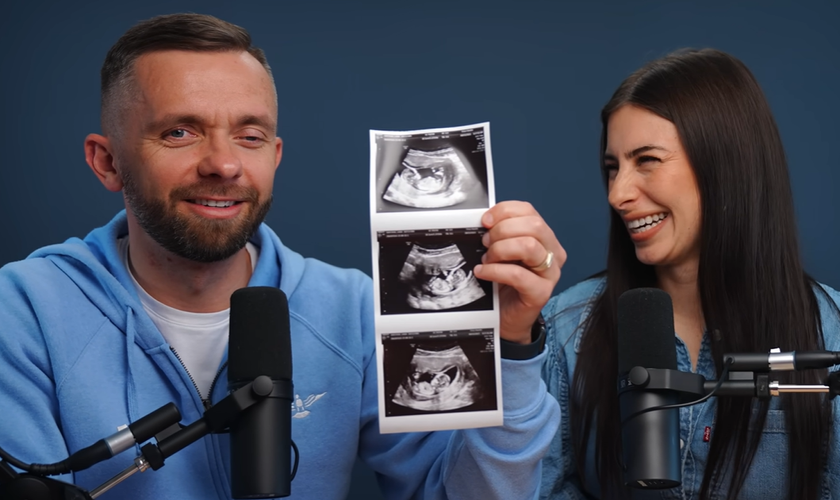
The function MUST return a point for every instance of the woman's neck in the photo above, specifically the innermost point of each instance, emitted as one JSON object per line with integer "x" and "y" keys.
{"x": 681, "y": 284}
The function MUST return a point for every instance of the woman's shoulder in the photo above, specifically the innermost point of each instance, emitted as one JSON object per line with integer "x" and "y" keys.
{"x": 575, "y": 299}
{"x": 566, "y": 312}
{"x": 830, "y": 293}
{"x": 828, "y": 302}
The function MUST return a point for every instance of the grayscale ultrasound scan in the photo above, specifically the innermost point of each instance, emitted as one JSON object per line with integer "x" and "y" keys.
{"x": 430, "y": 179}
{"x": 436, "y": 279}
{"x": 439, "y": 380}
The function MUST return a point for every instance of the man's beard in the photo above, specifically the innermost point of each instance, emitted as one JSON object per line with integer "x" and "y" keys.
{"x": 190, "y": 236}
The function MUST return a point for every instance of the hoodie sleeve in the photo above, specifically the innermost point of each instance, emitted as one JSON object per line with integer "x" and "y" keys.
{"x": 30, "y": 429}
{"x": 488, "y": 463}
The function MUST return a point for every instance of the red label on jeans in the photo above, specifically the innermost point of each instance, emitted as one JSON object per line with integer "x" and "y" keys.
{"x": 707, "y": 434}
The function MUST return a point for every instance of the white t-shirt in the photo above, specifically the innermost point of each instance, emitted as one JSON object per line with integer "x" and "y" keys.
{"x": 198, "y": 339}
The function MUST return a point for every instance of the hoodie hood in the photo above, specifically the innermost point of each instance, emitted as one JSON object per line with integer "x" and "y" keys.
{"x": 94, "y": 265}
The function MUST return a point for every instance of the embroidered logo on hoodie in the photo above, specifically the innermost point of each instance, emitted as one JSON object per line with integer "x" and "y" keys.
{"x": 299, "y": 407}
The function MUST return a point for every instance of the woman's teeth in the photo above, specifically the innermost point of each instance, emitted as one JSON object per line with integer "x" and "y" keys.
{"x": 641, "y": 225}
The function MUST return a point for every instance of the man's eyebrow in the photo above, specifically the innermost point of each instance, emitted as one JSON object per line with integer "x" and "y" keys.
{"x": 260, "y": 121}
{"x": 171, "y": 120}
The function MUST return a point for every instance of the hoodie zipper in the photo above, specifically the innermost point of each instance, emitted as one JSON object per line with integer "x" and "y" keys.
{"x": 207, "y": 403}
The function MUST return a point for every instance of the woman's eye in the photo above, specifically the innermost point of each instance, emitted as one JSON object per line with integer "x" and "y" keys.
{"x": 647, "y": 159}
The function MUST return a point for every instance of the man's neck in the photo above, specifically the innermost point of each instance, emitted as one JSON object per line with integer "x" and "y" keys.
{"x": 184, "y": 284}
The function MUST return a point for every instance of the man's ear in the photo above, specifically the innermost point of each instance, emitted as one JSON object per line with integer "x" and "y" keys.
{"x": 99, "y": 157}
{"x": 278, "y": 151}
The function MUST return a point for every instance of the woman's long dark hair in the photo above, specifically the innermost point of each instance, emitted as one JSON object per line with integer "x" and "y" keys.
{"x": 753, "y": 290}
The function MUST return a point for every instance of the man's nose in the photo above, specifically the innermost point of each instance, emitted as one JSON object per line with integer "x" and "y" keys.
{"x": 220, "y": 159}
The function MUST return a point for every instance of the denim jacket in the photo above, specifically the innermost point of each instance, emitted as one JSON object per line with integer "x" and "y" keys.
{"x": 767, "y": 478}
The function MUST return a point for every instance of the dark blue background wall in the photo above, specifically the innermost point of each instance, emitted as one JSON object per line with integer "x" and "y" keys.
{"x": 538, "y": 71}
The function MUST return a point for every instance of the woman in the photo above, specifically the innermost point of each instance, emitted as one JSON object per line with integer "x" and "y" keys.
{"x": 701, "y": 208}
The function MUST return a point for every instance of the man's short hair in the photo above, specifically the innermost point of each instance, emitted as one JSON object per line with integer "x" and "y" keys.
{"x": 190, "y": 32}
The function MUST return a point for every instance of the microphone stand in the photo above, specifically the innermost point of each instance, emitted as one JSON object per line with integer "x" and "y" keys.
{"x": 692, "y": 388}
{"x": 34, "y": 486}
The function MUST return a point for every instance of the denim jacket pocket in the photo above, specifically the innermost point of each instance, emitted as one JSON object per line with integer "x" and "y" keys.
{"x": 768, "y": 475}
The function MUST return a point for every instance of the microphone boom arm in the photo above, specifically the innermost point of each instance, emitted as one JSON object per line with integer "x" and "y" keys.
{"x": 216, "y": 419}
{"x": 690, "y": 386}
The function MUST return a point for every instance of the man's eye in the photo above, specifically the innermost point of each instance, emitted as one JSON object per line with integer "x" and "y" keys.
{"x": 178, "y": 133}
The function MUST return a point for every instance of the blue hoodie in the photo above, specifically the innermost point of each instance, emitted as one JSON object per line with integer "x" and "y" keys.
{"x": 79, "y": 357}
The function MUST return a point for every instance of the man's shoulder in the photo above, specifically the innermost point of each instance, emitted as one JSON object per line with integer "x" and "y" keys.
{"x": 323, "y": 269}
{"x": 29, "y": 271}
{"x": 303, "y": 274}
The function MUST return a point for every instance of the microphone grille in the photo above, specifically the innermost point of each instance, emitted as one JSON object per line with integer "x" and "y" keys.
{"x": 646, "y": 330}
{"x": 259, "y": 339}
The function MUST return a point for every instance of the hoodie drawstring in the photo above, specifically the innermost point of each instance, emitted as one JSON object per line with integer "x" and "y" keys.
{"x": 130, "y": 386}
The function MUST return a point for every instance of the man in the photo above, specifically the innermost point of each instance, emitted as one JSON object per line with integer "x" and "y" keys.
{"x": 98, "y": 333}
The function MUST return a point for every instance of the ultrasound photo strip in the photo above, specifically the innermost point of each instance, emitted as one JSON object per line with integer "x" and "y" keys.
{"x": 429, "y": 190}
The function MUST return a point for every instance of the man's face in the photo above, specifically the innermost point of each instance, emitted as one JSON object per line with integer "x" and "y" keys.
{"x": 197, "y": 150}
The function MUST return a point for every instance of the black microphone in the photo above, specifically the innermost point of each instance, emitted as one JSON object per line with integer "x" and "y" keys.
{"x": 650, "y": 440}
{"x": 260, "y": 439}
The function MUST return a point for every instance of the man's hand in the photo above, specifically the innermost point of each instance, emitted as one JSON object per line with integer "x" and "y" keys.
{"x": 518, "y": 244}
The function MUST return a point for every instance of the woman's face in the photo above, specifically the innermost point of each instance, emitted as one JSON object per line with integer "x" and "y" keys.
{"x": 653, "y": 188}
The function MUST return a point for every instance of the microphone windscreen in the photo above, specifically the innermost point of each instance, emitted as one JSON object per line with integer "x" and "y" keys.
{"x": 646, "y": 330}
{"x": 259, "y": 341}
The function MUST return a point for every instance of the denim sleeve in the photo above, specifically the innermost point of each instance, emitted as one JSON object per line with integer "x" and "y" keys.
{"x": 559, "y": 480}
{"x": 565, "y": 315}
{"x": 829, "y": 304}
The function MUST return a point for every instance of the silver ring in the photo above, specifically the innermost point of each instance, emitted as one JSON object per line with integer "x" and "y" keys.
{"x": 545, "y": 264}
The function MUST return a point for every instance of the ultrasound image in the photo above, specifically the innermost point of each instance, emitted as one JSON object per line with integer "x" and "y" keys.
{"x": 436, "y": 279}
{"x": 428, "y": 271}
{"x": 442, "y": 372}
{"x": 430, "y": 179}
{"x": 432, "y": 171}
{"x": 439, "y": 381}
